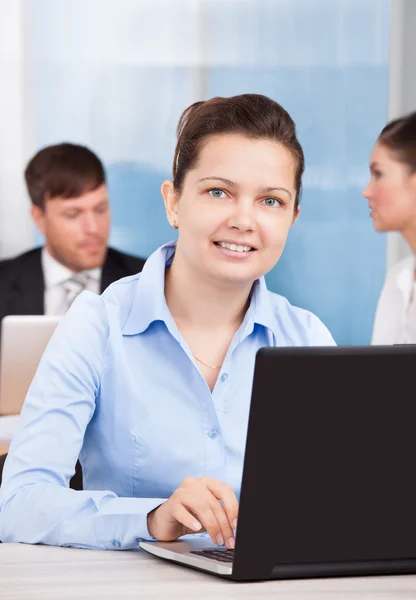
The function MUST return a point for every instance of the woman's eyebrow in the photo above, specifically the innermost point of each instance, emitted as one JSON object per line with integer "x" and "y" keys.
{"x": 266, "y": 190}
{"x": 214, "y": 177}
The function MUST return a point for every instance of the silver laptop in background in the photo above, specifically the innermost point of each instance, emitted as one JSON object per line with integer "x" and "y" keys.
{"x": 23, "y": 341}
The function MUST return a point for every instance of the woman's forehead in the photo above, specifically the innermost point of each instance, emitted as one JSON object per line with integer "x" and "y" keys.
{"x": 237, "y": 156}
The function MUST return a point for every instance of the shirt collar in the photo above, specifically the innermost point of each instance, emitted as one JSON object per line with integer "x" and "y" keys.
{"x": 263, "y": 313}
{"x": 149, "y": 303}
{"x": 55, "y": 273}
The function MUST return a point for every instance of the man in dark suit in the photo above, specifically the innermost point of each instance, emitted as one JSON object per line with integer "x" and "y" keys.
{"x": 67, "y": 187}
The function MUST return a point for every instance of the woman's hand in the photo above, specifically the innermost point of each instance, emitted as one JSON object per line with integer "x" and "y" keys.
{"x": 197, "y": 505}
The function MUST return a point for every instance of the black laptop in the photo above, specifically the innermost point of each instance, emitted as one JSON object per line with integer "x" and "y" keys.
{"x": 329, "y": 480}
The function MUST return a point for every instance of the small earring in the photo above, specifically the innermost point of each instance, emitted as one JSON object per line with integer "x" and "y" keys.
{"x": 175, "y": 224}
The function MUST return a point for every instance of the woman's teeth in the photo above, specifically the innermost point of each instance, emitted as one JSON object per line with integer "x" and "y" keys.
{"x": 234, "y": 247}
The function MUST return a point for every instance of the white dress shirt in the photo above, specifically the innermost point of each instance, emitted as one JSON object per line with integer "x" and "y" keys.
{"x": 56, "y": 276}
{"x": 395, "y": 320}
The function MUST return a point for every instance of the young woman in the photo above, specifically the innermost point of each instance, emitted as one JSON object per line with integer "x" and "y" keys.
{"x": 392, "y": 199}
{"x": 150, "y": 383}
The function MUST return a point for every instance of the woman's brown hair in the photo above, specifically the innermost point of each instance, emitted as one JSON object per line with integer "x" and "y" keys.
{"x": 252, "y": 115}
{"x": 399, "y": 136}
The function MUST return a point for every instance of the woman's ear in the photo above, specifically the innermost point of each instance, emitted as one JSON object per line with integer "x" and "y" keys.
{"x": 296, "y": 214}
{"x": 171, "y": 200}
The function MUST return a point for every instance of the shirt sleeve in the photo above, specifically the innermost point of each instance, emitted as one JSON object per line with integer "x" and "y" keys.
{"x": 319, "y": 333}
{"x": 36, "y": 504}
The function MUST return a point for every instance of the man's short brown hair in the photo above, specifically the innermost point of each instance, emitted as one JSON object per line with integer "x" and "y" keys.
{"x": 65, "y": 171}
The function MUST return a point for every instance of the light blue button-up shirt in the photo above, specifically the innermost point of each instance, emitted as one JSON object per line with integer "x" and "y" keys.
{"x": 118, "y": 387}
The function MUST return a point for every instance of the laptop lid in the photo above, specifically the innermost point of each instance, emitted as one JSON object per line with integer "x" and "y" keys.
{"x": 23, "y": 340}
{"x": 328, "y": 484}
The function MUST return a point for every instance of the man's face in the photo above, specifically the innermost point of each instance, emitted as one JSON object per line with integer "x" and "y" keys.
{"x": 76, "y": 230}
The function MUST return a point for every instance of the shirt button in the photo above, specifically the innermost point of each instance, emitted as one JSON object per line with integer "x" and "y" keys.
{"x": 213, "y": 433}
{"x": 224, "y": 377}
{"x": 116, "y": 544}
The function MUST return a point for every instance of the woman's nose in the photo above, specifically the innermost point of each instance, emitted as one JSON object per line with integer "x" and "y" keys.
{"x": 242, "y": 218}
{"x": 366, "y": 191}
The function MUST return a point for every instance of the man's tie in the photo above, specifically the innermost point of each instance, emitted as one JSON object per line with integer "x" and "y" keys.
{"x": 72, "y": 287}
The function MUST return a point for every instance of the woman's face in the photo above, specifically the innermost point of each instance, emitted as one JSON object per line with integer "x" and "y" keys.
{"x": 391, "y": 192}
{"x": 235, "y": 209}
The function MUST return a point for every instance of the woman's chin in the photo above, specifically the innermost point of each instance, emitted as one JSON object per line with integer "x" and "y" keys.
{"x": 233, "y": 275}
{"x": 381, "y": 227}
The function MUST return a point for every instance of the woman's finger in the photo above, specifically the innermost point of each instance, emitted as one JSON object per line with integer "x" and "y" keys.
{"x": 226, "y": 495}
{"x": 186, "y": 518}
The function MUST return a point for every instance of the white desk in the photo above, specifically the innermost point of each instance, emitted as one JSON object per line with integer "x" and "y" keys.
{"x": 47, "y": 573}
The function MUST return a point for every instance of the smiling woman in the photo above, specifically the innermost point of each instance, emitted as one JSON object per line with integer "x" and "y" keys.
{"x": 241, "y": 193}
{"x": 151, "y": 382}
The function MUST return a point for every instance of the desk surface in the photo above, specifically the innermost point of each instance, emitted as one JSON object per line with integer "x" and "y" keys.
{"x": 47, "y": 573}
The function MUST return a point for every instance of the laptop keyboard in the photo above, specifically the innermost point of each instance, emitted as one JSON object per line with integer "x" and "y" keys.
{"x": 221, "y": 554}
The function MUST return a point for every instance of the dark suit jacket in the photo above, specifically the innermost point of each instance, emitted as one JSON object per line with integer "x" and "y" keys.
{"x": 22, "y": 284}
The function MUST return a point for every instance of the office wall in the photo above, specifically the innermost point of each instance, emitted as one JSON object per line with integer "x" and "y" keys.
{"x": 116, "y": 76}
{"x": 16, "y": 228}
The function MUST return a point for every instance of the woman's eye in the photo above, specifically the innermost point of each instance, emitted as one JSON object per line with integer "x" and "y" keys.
{"x": 377, "y": 174}
{"x": 217, "y": 193}
{"x": 271, "y": 201}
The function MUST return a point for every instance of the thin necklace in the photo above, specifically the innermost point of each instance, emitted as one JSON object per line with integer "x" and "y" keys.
{"x": 204, "y": 363}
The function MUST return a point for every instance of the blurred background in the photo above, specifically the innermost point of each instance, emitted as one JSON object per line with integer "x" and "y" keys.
{"x": 116, "y": 74}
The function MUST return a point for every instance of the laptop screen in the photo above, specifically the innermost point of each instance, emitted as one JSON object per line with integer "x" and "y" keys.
{"x": 329, "y": 464}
